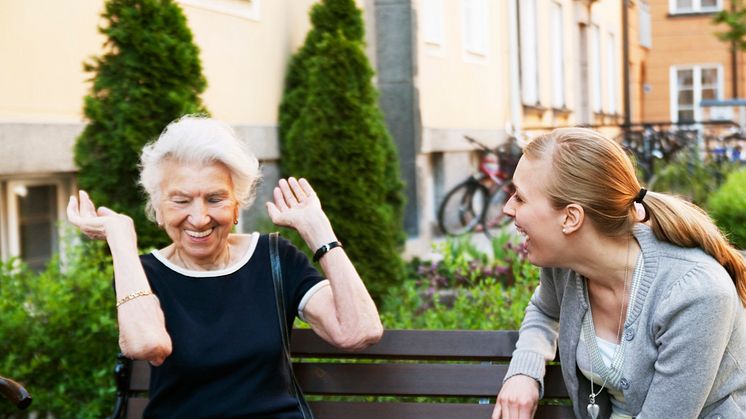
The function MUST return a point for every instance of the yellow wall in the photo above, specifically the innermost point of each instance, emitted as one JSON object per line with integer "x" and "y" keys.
{"x": 459, "y": 89}
{"x": 43, "y": 44}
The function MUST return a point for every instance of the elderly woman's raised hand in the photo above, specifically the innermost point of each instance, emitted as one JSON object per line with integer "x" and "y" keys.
{"x": 101, "y": 224}
{"x": 297, "y": 206}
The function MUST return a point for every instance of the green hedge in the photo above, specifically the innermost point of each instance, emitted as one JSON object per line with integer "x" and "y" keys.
{"x": 728, "y": 207}
{"x": 58, "y": 334}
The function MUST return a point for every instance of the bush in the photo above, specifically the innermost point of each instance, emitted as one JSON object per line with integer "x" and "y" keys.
{"x": 728, "y": 207}
{"x": 58, "y": 333}
{"x": 467, "y": 289}
{"x": 691, "y": 177}
{"x": 333, "y": 134}
{"x": 149, "y": 75}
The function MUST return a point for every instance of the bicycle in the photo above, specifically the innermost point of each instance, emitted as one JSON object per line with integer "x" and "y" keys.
{"x": 477, "y": 202}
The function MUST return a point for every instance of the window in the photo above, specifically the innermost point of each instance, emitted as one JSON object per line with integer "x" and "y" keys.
{"x": 689, "y": 86}
{"x": 694, "y": 6}
{"x": 595, "y": 50}
{"x": 646, "y": 25}
{"x": 432, "y": 22}
{"x": 248, "y": 9}
{"x": 33, "y": 211}
{"x": 612, "y": 82}
{"x": 529, "y": 52}
{"x": 475, "y": 26}
{"x": 558, "y": 57}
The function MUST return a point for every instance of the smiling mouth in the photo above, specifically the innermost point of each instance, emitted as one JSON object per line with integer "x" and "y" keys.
{"x": 199, "y": 234}
{"x": 522, "y": 232}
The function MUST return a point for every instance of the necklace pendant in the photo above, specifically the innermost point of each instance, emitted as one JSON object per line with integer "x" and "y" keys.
{"x": 593, "y": 410}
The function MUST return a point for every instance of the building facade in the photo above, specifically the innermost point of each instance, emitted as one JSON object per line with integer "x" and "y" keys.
{"x": 444, "y": 69}
{"x": 688, "y": 63}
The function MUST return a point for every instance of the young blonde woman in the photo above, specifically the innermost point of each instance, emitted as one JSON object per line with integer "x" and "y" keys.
{"x": 640, "y": 290}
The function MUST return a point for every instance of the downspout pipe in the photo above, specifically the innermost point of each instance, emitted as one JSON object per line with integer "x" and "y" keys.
{"x": 514, "y": 70}
{"x": 625, "y": 68}
{"x": 734, "y": 60}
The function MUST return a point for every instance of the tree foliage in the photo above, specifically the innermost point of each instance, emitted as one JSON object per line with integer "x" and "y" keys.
{"x": 148, "y": 75}
{"x": 333, "y": 133}
{"x": 735, "y": 20}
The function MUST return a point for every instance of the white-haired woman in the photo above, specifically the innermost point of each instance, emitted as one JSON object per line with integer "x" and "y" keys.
{"x": 202, "y": 310}
{"x": 641, "y": 292}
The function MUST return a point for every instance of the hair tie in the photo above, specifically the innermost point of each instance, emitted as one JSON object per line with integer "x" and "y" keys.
{"x": 641, "y": 195}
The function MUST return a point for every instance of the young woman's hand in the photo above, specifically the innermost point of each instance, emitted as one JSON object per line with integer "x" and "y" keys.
{"x": 518, "y": 398}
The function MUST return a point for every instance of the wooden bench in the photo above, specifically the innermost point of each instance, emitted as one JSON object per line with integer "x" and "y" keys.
{"x": 407, "y": 364}
{"x": 15, "y": 393}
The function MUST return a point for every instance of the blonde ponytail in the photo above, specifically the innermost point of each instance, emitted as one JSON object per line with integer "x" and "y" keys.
{"x": 684, "y": 224}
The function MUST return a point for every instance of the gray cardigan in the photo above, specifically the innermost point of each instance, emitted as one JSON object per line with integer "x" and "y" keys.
{"x": 686, "y": 333}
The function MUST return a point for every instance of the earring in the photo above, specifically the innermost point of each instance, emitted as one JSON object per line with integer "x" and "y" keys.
{"x": 235, "y": 221}
{"x": 564, "y": 230}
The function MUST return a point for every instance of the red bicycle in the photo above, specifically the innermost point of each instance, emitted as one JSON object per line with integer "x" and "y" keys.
{"x": 476, "y": 204}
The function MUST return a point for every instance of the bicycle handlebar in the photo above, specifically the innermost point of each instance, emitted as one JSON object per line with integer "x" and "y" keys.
{"x": 15, "y": 393}
{"x": 479, "y": 144}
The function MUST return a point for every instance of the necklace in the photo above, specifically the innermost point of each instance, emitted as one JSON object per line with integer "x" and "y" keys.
{"x": 592, "y": 407}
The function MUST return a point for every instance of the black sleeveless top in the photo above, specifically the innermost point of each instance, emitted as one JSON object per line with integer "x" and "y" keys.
{"x": 227, "y": 351}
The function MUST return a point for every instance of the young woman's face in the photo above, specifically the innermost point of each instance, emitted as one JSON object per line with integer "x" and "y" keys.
{"x": 535, "y": 218}
{"x": 197, "y": 208}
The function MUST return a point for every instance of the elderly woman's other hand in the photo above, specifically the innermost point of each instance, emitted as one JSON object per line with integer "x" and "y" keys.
{"x": 101, "y": 224}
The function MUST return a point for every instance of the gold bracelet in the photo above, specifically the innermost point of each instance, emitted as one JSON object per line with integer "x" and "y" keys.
{"x": 133, "y": 296}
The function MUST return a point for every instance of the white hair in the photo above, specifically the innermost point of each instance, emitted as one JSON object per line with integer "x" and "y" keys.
{"x": 199, "y": 139}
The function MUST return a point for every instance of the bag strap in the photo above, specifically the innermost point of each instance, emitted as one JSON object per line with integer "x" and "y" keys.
{"x": 293, "y": 386}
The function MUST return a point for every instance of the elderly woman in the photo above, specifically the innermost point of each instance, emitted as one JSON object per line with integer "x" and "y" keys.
{"x": 202, "y": 310}
{"x": 641, "y": 291}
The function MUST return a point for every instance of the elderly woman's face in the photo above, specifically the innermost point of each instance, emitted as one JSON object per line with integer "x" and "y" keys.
{"x": 197, "y": 208}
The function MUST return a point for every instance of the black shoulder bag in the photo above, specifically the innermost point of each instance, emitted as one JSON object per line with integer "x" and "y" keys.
{"x": 293, "y": 387}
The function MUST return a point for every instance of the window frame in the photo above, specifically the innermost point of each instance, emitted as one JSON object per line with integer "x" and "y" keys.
{"x": 596, "y": 66}
{"x": 612, "y": 74}
{"x": 559, "y": 100}
{"x": 696, "y": 8}
{"x": 433, "y": 22}
{"x": 696, "y": 88}
{"x": 10, "y": 209}
{"x": 475, "y": 37}
{"x": 529, "y": 54}
{"x": 251, "y": 9}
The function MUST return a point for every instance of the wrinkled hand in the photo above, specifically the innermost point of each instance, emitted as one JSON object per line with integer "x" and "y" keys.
{"x": 99, "y": 224}
{"x": 518, "y": 398}
{"x": 295, "y": 205}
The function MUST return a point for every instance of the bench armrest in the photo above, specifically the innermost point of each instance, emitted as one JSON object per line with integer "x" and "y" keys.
{"x": 15, "y": 393}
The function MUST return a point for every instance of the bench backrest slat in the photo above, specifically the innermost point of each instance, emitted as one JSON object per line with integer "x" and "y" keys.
{"x": 417, "y": 344}
{"x": 406, "y": 363}
{"x": 365, "y": 410}
{"x": 458, "y": 380}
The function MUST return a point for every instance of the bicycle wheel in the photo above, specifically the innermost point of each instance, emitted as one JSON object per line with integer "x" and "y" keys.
{"x": 461, "y": 209}
{"x": 494, "y": 219}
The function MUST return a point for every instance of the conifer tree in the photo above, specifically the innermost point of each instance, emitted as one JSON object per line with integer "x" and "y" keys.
{"x": 148, "y": 75}
{"x": 333, "y": 133}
